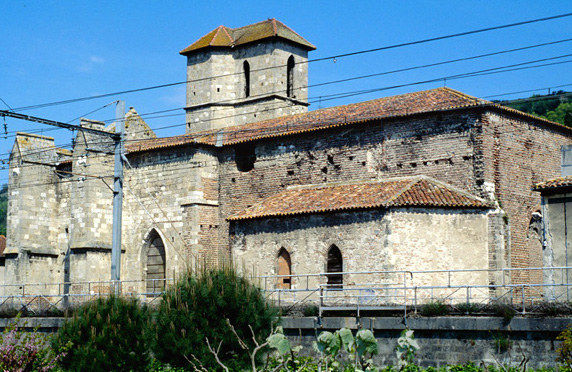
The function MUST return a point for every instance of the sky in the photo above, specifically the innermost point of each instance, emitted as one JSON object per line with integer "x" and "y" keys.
{"x": 54, "y": 51}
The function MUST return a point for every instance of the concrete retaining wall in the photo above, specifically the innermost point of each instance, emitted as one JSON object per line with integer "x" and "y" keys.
{"x": 443, "y": 340}
{"x": 448, "y": 340}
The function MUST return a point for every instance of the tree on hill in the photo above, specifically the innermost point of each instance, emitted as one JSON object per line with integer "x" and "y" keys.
{"x": 561, "y": 114}
{"x": 555, "y": 106}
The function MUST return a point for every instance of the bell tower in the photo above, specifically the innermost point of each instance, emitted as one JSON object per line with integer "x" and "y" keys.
{"x": 247, "y": 74}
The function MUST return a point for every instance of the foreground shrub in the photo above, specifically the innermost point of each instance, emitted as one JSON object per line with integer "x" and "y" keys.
{"x": 106, "y": 335}
{"x": 22, "y": 351}
{"x": 200, "y": 308}
{"x": 434, "y": 308}
{"x": 565, "y": 350}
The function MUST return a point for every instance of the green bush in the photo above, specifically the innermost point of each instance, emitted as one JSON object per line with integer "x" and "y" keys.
{"x": 434, "y": 308}
{"x": 200, "y": 307}
{"x": 564, "y": 352}
{"x": 505, "y": 311}
{"x": 468, "y": 308}
{"x": 107, "y": 334}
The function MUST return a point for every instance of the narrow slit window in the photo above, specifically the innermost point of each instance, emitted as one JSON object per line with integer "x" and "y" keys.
{"x": 246, "y": 79}
{"x": 290, "y": 77}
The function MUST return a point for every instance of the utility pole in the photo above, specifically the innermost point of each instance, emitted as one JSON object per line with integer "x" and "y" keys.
{"x": 117, "y": 181}
{"x": 117, "y": 196}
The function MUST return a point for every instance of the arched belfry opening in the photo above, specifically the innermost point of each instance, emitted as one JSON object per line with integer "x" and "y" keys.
{"x": 284, "y": 268}
{"x": 155, "y": 264}
{"x": 290, "y": 77}
{"x": 246, "y": 68}
{"x": 335, "y": 264}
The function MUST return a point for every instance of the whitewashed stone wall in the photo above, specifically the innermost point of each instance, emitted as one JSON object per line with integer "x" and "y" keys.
{"x": 401, "y": 239}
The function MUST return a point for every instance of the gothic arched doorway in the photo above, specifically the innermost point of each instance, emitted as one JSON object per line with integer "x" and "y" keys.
{"x": 284, "y": 268}
{"x": 155, "y": 264}
{"x": 335, "y": 265}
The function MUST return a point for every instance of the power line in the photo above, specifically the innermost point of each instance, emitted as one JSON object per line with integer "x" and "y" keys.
{"x": 445, "y": 37}
{"x": 501, "y": 69}
{"x": 309, "y": 61}
{"x": 358, "y": 77}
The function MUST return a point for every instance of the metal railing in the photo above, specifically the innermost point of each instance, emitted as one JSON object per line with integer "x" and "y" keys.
{"x": 359, "y": 291}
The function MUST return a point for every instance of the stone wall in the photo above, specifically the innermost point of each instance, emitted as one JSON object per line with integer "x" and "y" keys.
{"x": 443, "y": 340}
{"x": 557, "y": 218}
{"x": 373, "y": 240}
{"x": 447, "y": 340}
{"x": 220, "y": 100}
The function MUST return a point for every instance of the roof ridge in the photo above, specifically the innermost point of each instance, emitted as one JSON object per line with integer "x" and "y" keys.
{"x": 458, "y": 190}
{"x": 414, "y": 180}
{"x": 225, "y": 29}
{"x": 465, "y": 95}
{"x": 274, "y": 26}
{"x": 252, "y": 24}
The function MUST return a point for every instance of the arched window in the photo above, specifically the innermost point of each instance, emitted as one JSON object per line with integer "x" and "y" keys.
{"x": 290, "y": 77}
{"x": 155, "y": 264}
{"x": 335, "y": 265}
{"x": 284, "y": 268}
{"x": 246, "y": 79}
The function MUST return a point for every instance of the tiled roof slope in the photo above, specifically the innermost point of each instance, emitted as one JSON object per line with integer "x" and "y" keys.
{"x": 405, "y": 104}
{"x": 560, "y": 182}
{"x": 417, "y": 191}
{"x": 439, "y": 99}
{"x": 226, "y": 37}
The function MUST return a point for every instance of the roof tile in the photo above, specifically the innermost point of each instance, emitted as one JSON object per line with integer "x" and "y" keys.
{"x": 417, "y": 191}
{"x": 230, "y": 37}
{"x": 560, "y": 182}
{"x": 439, "y": 99}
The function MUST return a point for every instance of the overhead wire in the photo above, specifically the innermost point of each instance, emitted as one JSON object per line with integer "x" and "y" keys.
{"x": 334, "y": 57}
{"x": 246, "y": 130}
{"x": 348, "y": 94}
{"x": 501, "y": 69}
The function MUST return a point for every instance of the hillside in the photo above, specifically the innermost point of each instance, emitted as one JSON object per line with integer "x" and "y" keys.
{"x": 556, "y": 106}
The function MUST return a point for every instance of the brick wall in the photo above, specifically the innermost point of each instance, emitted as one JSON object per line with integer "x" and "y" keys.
{"x": 517, "y": 154}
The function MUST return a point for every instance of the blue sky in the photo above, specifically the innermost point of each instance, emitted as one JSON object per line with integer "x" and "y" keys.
{"x": 58, "y": 50}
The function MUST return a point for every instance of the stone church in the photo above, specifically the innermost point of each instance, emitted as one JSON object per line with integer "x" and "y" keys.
{"x": 429, "y": 180}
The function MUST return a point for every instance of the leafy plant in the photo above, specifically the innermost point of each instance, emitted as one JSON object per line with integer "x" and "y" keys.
{"x": 564, "y": 352}
{"x": 360, "y": 347}
{"x": 406, "y": 348}
{"x": 311, "y": 310}
{"x": 502, "y": 342}
{"x": 434, "y": 308}
{"x": 22, "y": 351}
{"x": 468, "y": 308}
{"x": 505, "y": 311}
{"x": 107, "y": 334}
{"x": 216, "y": 310}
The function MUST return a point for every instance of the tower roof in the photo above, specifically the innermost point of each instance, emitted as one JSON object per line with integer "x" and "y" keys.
{"x": 226, "y": 37}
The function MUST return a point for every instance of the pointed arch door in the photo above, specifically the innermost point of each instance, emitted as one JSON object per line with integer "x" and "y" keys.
{"x": 284, "y": 268}
{"x": 156, "y": 265}
{"x": 335, "y": 264}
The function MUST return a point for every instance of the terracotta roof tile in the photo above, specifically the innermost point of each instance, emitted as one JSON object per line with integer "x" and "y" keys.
{"x": 230, "y": 37}
{"x": 406, "y": 104}
{"x": 560, "y": 182}
{"x": 417, "y": 191}
{"x": 440, "y": 99}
